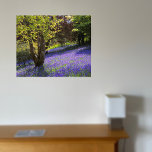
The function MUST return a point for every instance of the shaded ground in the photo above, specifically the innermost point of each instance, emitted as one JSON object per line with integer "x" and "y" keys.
{"x": 60, "y": 62}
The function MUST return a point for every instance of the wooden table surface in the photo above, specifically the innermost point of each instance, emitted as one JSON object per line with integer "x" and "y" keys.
{"x": 66, "y": 131}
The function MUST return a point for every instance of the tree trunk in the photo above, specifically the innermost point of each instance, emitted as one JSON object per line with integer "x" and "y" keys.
{"x": 33, "y": 55}
{"x": 40, "y": 57}
{"x": 41, "y": 50}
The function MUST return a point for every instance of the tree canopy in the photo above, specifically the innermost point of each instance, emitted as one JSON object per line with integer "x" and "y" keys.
{"x": 82, "y": 24}
{"x": 29, "y": 27}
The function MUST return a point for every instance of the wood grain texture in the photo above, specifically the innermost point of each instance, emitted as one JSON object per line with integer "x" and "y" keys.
{"x": 62, "y": 138}
{"x": 58, "y": 146}
{"x": 67, "y": 131}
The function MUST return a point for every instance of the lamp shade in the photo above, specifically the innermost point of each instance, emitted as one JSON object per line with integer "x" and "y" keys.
{"x": 115, "y": 106}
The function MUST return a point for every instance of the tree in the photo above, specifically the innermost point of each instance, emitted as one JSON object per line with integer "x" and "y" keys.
{"x": 82, "y": 26}
{"x": 66, "y": 26}
{"x": 39, "y": 29}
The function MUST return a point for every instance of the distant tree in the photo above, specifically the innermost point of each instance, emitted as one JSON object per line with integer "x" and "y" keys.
{"x": 82, "y": 26}
{"x": 66, "y": 26}
{"x": 39, "y": 29}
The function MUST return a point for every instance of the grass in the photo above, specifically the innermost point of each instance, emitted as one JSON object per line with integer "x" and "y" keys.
{"x": 59, "y": 45}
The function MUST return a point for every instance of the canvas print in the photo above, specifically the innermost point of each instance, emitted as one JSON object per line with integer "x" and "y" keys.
{"x": 53, "y": 46}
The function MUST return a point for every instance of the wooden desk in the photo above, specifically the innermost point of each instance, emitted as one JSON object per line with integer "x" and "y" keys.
{"x": 62, "y": 138}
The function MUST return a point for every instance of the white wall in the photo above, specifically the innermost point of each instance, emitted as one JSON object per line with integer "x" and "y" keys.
{"x": 121, "y": 63}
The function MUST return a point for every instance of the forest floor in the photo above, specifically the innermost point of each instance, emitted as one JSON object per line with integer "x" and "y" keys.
{"x": 67, "y": 61}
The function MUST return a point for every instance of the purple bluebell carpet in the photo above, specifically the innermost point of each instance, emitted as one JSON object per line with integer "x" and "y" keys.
{"x": 69, "y": 63}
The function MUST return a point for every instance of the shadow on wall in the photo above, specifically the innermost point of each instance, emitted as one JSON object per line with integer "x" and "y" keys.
{"x": 135, "y": 108}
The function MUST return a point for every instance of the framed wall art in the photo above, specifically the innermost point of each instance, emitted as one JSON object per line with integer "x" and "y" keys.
{"x": 53, "y": 46}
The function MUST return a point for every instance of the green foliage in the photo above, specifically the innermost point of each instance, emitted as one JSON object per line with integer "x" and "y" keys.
{"x": 54, "y": 46}
{"x": 82, "y": 24}
{"x": 29, "y": 27}
{"x": 60, "y": 45}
